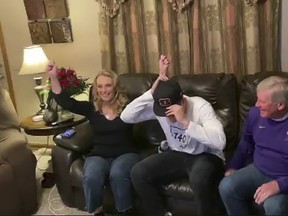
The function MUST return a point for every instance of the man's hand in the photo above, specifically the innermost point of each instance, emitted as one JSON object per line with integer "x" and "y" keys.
{"x": 163, "y": 66}
{"x": 155, "y": 84}
{"x": 266, "y": 190}
{"x": 229, "y": 172}
{"x": 179, "y": 112}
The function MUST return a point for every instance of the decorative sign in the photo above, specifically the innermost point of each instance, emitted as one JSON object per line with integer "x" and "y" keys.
{"x": 56, "y": 9}
{"x": 48, "y": 21}
{"x": 61, "y": 31}
{"x": 35, "y": 9}
{"x": 40, "y": 33}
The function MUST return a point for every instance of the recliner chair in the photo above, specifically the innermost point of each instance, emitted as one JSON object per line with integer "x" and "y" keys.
{"x": 18, "y": 189}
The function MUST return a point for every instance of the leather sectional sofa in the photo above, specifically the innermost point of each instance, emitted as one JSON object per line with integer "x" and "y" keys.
{"x": 231, "y": 100}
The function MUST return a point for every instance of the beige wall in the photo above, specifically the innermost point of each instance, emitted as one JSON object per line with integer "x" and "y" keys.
{"x": 284, "y": 36}
{"x": 83, "y": 54}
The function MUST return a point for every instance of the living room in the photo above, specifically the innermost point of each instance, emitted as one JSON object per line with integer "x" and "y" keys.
{"x": 83, "y": 54}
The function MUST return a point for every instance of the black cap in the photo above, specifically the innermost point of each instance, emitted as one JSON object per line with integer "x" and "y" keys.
{"x": 166, "y": 94}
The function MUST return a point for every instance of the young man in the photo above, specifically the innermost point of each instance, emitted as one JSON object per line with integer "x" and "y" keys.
{"x": 266, "y": 139}
{"x": 195, "y": 137}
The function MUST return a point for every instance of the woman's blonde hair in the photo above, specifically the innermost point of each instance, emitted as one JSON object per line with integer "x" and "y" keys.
{"x": 120, "y": 98}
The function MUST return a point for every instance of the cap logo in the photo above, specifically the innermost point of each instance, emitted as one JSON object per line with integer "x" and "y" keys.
{"x": 164, "y": 102}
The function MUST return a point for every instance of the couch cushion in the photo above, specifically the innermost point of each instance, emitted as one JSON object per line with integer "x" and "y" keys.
{"x": 136, "y": 84}
{"x": 76, "y": 172}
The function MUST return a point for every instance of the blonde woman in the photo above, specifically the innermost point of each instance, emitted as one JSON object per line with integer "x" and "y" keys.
{"x": 113, "y": 154}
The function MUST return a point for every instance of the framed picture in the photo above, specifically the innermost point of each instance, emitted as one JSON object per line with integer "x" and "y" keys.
{"x": 48, "y": 21}
{"x": 56, "y": 9}
{"x": 40, "y": 33}
{"x": 61, "y": 31}
{"x": 35, "y": 9}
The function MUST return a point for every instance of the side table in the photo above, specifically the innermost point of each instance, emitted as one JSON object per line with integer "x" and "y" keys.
{"x": 40, "y": 128}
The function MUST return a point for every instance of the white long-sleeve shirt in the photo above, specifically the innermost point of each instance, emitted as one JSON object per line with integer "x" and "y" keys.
{"x": 205, "y": 132}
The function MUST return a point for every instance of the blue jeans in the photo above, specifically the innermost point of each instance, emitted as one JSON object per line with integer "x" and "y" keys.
{"x": 97, "y": 170}
{"x": 204, "y": 172}
{"x": 237, "y": 191}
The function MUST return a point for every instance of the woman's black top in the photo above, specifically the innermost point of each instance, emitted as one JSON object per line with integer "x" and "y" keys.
{"x": 111, "y": 138}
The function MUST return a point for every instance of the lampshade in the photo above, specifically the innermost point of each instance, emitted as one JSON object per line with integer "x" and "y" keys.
{"x": 34, "y": 60}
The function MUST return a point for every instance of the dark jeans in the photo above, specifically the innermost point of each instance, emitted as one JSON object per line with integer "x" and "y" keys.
{"x": 98, "y": 169}
{"x": 204, "y": 171}
{"x": 237, "y": 191}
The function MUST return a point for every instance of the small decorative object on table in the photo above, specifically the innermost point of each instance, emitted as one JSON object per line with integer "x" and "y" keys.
{"x": 51, "y": 114}
{"x": 71, "y": 84}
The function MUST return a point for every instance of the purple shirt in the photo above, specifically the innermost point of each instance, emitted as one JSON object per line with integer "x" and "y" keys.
{"x": 267, "y": 141}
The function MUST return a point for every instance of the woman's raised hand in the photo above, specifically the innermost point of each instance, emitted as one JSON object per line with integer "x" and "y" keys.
{"x": 52, "y": 69}
{"x": 52, "y": 73}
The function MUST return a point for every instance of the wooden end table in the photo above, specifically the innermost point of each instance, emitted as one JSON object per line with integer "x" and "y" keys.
{"x": 41, "y": 129}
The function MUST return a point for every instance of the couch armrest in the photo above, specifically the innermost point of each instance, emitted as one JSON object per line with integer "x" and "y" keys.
{"x": 17, "y": 159}
{"x": 62, "y": 159}
{"x": 81, "y": 142}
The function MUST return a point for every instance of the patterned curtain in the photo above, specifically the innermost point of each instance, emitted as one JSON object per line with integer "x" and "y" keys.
{"x": 200, "y": 36}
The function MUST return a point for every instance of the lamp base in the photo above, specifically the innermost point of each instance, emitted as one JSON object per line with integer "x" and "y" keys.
{"x": 39, "y": 90}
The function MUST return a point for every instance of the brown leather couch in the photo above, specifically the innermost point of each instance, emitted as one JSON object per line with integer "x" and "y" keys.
{"x": 231, "y": 100}
{"x": 18, "y": 190}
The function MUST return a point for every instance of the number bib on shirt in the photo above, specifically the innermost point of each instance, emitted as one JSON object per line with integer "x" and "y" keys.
{"x": 179, "y": 136}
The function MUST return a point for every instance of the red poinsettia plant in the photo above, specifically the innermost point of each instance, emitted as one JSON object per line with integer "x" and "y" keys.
{"x": 70, "y": 83}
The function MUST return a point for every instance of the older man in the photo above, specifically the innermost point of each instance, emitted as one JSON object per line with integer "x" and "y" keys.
{"x": 265, "y": 138}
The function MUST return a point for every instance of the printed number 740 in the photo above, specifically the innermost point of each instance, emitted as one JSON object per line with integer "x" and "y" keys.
{"x": 180, "y": 137}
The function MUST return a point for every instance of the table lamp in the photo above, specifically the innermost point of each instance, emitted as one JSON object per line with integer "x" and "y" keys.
{"x": 35, "y": 62}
